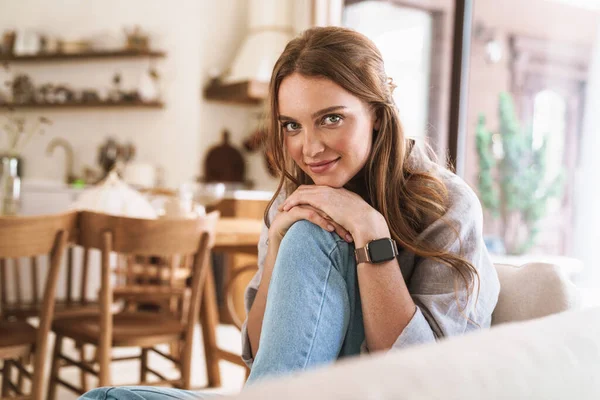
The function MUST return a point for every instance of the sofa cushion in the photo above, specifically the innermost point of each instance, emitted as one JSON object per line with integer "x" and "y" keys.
{"x": 556, "y": 357}
{"x": 531, "y": 291}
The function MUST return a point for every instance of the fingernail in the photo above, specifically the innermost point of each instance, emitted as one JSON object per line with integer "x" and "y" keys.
{"x": 330, "y": 228}
{"x": 348, "y": 237}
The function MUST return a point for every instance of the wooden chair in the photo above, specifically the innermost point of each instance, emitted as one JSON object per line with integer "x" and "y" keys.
{"x": 30, "y": 237}
{"x": 72, "y": 298}
{"x": 69, "y": 300}
{"x": 131, "y": 240}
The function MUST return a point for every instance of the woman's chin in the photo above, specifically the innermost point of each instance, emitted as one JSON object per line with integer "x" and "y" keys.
{"x": 331, "y": 181}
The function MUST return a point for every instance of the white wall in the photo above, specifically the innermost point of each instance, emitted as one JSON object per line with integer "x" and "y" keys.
{"x": 197, "y": 35}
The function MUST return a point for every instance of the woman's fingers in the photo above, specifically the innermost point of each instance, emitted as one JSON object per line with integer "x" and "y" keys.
{"x": 321, "y": 219}
{"x": 313, "y": 216}
{"x": 340, "y": 230}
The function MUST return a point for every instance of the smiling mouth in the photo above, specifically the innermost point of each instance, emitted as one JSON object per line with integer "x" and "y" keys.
{"x": 322, "y": 166}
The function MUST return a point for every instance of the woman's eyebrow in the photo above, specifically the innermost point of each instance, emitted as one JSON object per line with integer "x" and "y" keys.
{"x": 315, "y": 114}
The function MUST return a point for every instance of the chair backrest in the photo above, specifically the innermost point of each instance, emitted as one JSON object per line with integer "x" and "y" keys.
{"x": 27, "y": 242}
{"x": 30, "y": 237}
{"x": 533, "y": 290}
{"x": 133, "y": 239}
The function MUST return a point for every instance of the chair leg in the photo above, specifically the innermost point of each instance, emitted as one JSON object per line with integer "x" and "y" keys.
{"x": 6, "y": 376}
{"x": 185, "y": 365}
{"x": 20, "y": 377}
{"x": 175, "y": 350}
{"x": 82, "y": 373}
{"x": 144, "y": 366}
{"x": 52, "y": 382}
{"x": 208, "y": 320}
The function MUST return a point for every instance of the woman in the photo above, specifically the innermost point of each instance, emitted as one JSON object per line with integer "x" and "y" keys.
{"x": 368, "y": 245}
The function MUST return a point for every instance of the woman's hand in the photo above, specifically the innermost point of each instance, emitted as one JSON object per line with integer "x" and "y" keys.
{"x": 346, "y": 208}
{"x": 285, "y": 219}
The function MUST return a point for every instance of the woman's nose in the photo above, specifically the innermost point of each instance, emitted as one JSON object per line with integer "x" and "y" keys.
{"x": 313, "y": 145}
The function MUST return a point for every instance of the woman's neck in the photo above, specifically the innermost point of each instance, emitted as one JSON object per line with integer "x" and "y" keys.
{"x": 358, "y": 185}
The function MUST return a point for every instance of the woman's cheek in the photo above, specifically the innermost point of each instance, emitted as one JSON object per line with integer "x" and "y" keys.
{"x": 294, "y": 149}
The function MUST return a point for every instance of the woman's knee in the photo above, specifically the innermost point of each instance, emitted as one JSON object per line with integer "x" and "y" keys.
{"x": 306, "y": 243}
{"x": 305, "y": 233}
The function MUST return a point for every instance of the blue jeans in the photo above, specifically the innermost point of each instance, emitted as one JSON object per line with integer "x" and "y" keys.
{"x": 313, "y": 314}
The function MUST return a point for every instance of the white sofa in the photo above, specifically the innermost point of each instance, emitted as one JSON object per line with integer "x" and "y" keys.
{"x": 551, "y": 357}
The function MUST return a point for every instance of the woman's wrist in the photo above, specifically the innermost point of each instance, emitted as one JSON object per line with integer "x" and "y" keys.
{"x": 371, "y": 228}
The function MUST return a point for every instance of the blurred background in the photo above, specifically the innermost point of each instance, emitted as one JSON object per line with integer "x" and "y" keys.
{"x": 506, "y": 92}
{"x": 172, "y": 93}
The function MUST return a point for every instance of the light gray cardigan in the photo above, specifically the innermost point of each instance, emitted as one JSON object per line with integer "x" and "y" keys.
{"x": 430, "y": 283}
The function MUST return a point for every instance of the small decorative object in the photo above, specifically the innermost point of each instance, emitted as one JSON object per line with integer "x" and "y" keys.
{"x": 127, "y": 152}
{"x": 131, "y": 96}
{"x": 183, "y": 205}
{"x": 115, "y": 197}
{"x": 50, "y": 44}
{"x": 112, "y": 156}
{"x": 224, "y": 163}
{"x": 41, "y": 94}
{"x": 148, "y": 87}
{"x": 89, "y": 96}
{"x": 8, "y": 42}
{"x": 43, "y": 44}
{"x": 116, "y": 93}
{"x": 75, "y": 46}
{"x": 136, "y": 40}
{"x": 108, "y": 155}
{"x": 513, "y": 183}
{"x": 18, "y": 132}
{"x": 63, "y": 94}
{"x": 23, "y": 90}
{"x": 205, "y": 193}
{"x": 10, "y": 184}
{"x": 26, "y": 43}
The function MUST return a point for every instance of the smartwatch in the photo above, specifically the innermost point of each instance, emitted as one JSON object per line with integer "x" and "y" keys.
{"x": 377, "y": 251}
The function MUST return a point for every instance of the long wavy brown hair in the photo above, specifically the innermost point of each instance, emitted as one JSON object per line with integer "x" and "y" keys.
{"x": 409, "y": 198}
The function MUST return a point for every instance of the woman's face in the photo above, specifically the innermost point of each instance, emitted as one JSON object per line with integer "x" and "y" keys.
{"x": 327, "y": 130}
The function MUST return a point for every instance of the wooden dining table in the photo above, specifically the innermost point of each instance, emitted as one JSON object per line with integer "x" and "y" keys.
{"x": 234, "y": 236}
{"x": 238, "y": 234}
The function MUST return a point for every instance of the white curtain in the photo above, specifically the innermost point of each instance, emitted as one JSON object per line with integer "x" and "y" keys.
{"x": 309, "y": 13}
{"x": 587, "y": 187}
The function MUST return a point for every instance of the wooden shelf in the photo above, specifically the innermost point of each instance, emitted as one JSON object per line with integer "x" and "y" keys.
{"x": 98, "y": 104}
{"x": 247, "y": 93}
{"x": 88, "y": 55}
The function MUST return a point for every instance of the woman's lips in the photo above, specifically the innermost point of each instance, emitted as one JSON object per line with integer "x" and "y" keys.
{"x": 319, "y": 168}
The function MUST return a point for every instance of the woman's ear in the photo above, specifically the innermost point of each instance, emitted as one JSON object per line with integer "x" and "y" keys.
{"x": 377, "y": 123}
{"x": 377, "y": 119}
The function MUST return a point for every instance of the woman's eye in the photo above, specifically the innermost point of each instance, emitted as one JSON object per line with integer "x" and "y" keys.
{"x": 291, "y": 126}
{"x": 331, "y": 119}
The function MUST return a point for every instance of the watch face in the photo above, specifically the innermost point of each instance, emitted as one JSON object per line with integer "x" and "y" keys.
{"x": 381, "y": 250}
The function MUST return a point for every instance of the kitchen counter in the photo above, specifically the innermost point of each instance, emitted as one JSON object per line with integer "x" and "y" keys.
{"x": 49, "y": 197}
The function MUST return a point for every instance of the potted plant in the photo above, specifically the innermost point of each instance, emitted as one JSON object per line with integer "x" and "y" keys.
{"x": 17, "y": 132}
{"x": 513, "y": 184}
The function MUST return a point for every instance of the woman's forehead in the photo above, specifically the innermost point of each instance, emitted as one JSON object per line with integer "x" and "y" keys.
{"x": 300, "y": 96}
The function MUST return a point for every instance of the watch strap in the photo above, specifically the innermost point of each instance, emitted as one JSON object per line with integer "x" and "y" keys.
{"x": 362, "y": 255}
